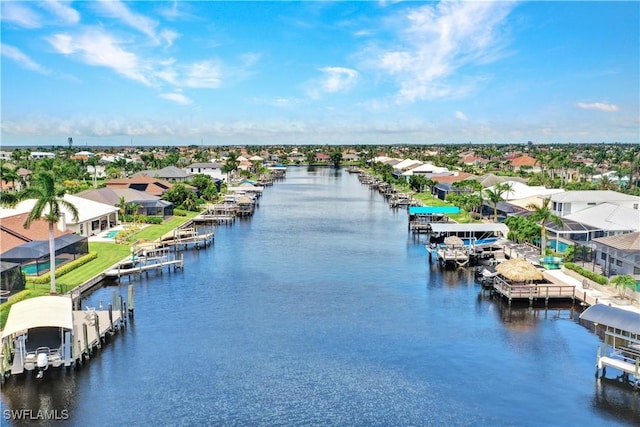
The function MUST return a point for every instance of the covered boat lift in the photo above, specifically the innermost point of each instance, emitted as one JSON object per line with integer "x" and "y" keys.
{"x": 621, "y": 340}
{"x": 421, "y": 217}
{"x": 40, "y": 330}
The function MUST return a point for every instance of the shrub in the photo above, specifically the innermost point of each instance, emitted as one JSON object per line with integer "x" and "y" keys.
{"x": 598, "y": 278}
{"x": 153, "y": 220}
{"x": 179, "y": 212}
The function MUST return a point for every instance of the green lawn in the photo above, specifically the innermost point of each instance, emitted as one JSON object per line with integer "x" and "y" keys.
{"x": 430, "y": 200}
{"x": 154, "y": 232}
{"x": 108, "y": 254}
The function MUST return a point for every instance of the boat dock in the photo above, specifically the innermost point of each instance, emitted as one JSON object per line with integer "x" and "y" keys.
{"x": 532, "y": 292}
{"x": 621, "y": 349}
{"x": 151, "y": 260}
{"x": 47, "y": 332}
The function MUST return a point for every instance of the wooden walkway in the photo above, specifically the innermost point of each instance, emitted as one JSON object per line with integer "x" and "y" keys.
{"x": 120, "y": 271}
{"x": 532, "y": 291}
{"x": 90, "y": 329}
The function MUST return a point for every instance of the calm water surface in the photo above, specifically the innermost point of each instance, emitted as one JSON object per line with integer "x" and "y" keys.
{"x": 323, "y": 310}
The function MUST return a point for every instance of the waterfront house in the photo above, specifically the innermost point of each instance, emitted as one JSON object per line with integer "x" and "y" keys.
{"x": 619, "y": 254}
{"x": 93, "y": 217}
{"x": 170, "y": 173}
{"x": 214, "y": 170}
{"x": 145, "y": 183}
{"x": 568, "y": 202}
{"x": 148, "y": 204}
{"x": 29, "y": 247}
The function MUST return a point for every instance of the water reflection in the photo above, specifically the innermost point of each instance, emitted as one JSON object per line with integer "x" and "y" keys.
{"x": 617, "y": 399}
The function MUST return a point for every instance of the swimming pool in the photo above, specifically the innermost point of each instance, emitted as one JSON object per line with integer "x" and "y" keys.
{"x": 562, "y": 246}
{"x": 111, "y": 234}
{"x": 32, "y": 269}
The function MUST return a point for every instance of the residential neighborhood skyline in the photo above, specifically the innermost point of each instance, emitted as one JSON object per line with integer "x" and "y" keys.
{"x": 265, "y": 73}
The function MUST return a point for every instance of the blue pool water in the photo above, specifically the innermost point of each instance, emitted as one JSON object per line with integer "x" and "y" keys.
{"x": 562, "y": 246}
{"x": 112, "y": 234}
{"x": 31, "y": 269}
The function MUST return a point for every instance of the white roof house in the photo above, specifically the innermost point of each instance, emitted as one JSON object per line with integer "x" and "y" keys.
{"x": 407, "y": 164}
{"x": 427, "y": 169}
{"x": 93, "y": 217}
{"x": 570, "y": 202}
{"x": 521, "y": 190}
{"x": 610, "y": 218}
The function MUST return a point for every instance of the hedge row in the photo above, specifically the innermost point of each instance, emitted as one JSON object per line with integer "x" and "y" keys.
{"x": 598, "y": 278}
{"x": 46, "y": 278}
{"x": 143, "y": 219}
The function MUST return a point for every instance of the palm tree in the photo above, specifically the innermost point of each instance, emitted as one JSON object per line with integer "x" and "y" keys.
{"x": 122, "y": 206}
{"x": 622, "y": 282}
{"x": 494, "y": 196}
{"x": 49, "y": 205}
{"x": 543, "y": 214}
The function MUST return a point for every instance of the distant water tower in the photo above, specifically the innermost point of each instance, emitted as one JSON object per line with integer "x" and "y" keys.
{"x": 70, "y": 141}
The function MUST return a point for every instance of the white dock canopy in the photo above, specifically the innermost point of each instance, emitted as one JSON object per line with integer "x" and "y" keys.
{"x": 613, "y": 317}
{"x": 39, "y": 312}
{"x": 452, "y": 227}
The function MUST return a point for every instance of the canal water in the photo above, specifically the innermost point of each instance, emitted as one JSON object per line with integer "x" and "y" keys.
{"x": 323, "y": 310}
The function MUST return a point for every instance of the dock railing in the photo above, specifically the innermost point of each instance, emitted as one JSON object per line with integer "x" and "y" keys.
{"x": 532, "y": 291}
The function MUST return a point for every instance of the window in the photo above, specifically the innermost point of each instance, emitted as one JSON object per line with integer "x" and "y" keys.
{"x": 591, "y": 204}
{"x": 619, "y": 263}
{"x": 603, "y": 256}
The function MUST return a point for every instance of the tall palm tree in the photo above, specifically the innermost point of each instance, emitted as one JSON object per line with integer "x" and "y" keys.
{"x": 544, "y": 215}
{"x": 494, "y": 196}
{"x": 49, "y": 205}
{"x": 122, "y": 207}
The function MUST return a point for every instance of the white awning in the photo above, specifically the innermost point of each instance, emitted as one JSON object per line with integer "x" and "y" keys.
{"x": 39, "y": 312}
{"x": 485, "y": 227}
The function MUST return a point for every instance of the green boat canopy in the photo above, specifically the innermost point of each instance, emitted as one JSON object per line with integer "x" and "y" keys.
{"x": 430, "y": 210}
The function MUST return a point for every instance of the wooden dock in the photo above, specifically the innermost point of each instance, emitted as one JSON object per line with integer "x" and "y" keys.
{"x": 532, "y": 291}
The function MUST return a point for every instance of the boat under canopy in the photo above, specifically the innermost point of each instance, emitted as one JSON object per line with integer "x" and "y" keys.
{"x": 452, "y": 228}
{"x": 41, "y": 312}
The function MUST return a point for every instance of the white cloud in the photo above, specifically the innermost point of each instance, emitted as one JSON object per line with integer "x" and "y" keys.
{"x": 63, "y": 11}
{"x": 600, "y": 106}
{"x": 18, "y": 13}
{"x": 141, "y": 23}
{"x": 437, "y": 40}
{"x": 338, "y": 79}
{"x": 333, "y": 79}
{"x": 461, "y": 116}
{"x": 176, "y": 97}
{"x": 204, "y": 74}
{"x": 98, "y": 48}
{"x": 21, "y": 58}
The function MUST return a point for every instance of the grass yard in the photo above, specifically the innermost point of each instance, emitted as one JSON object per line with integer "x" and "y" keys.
{"x": 429, "y": 200}
{"x": 109, "y": 254}
{"x": 154, "y": 232}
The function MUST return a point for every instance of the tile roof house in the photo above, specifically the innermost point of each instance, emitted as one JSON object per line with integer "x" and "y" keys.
{"x": 145, "y": 183}
{"x": 13, "y": 233}
{"x": 148, "y": 204}
{"x": 29, "y": 247}
{"x": 527, "y": 161}
{"x": 93, "y": 217}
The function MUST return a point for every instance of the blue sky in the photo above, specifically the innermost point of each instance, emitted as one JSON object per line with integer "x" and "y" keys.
{"x": 365, "y": 72}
